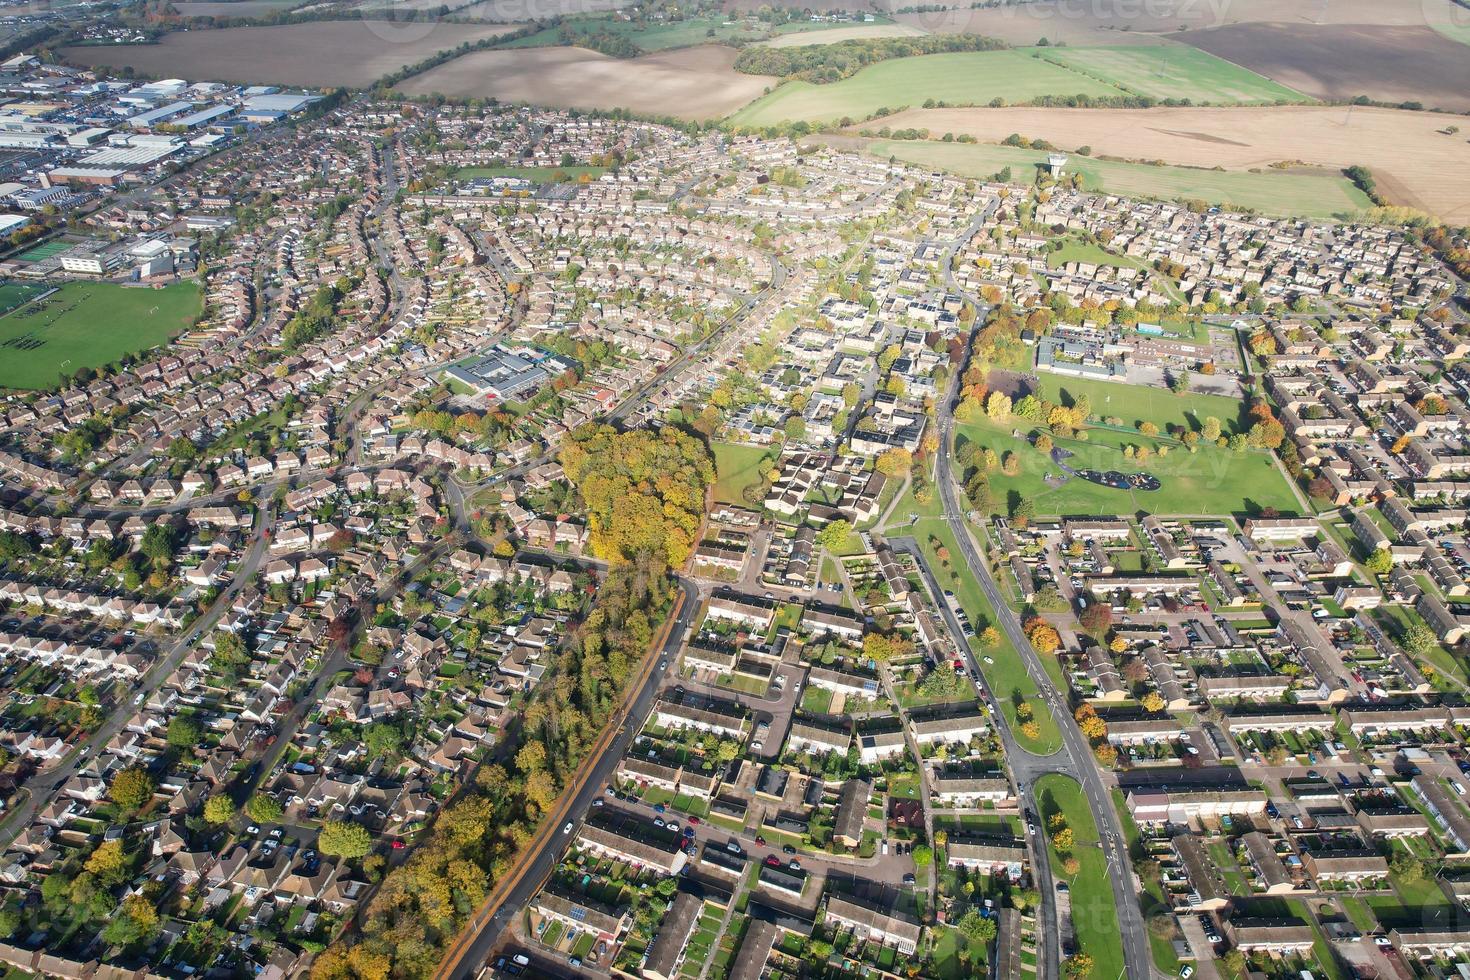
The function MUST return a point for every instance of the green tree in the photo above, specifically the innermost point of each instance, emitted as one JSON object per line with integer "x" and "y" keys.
{"x": 263, "y": 809}
{"x": 833, "y": 537}
{"x": 219, "y": 809}
{"x": 184, "y": 732}
{"x": 131, "y": 788}
{"x": 136, "y": 921}
{"x": 345, "y": 839}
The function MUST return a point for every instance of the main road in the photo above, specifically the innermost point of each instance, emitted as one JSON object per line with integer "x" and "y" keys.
{"x": 1076, "y": 756}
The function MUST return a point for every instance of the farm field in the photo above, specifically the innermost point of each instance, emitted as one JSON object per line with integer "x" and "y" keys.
{"x": 691, "y": 83}
{"x": 1131, "y": 24}
{"x": 736, "y": 467}
{"x": 1169, "y": 71}
{"x": 1210, "y": 481}
{"x": 351, "y": 53}
{"x": 509, "y": 11}
{"x": 836, "y": 33}
{"x": 969, "y": 77}
{"x": 238, "y": 8}
{"x": 687, "y": 33}
{"x": 1094, "y": 910}
{"x": 1415, "y": 164}
{"x": 1388, "y": 64}
{"x": 1305, "y": 195}
{"x": 88, "y": 325}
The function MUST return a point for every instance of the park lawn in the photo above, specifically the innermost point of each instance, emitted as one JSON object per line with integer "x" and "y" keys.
{"x": 1143, "y": 403}
{"x": 89, "y": 324}
{"x": 737, "y": 466}
{"x": 1269, "y": 192}
{"x": 536, "y": 175}
{"x": 1094, "y": 911}
{"x": 1176, "y": 72}
{"x": 955, "y": 78}
{"x": 1007, "y": 677}
{"x": 1210, "y": 481}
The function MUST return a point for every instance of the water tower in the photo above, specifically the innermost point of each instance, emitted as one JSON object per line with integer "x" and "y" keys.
{"x": 1055, "y": 162}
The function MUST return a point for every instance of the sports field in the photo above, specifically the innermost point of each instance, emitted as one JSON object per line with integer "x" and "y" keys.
{"x": 958, "y": 78}
{"x": 1176, "y": 72}
{"x": 13, "y": 294}
{"x": 1270, "y": 192}
{"x": 87, "y": 324}
{"x": 41, "y": 252}
{"x": 1094, "y": 910}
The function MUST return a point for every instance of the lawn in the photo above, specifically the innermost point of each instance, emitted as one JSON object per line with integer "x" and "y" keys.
{"x": 1210, "y": 481}
{"x": 1007, "y": 676}
{"x": 1270, "y": 192}
{"x": 946, "y": 955}
{"x": 1176, "y": 72}
{"x": 1094, "y": 911}
{"x": 536, "y": 175}
{"x": 736, "y": 467}
{"x": 86, "y": 324}
{"x": 1142, "y": 403}
{"x": 13, "y": 294}
{"x": 957, "y": 78}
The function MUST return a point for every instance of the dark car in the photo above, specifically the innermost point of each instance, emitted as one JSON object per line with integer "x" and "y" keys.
{"x": 788, "y": 848}
{"x": 760, "y": 840}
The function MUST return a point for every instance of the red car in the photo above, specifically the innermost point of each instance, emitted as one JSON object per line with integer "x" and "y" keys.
{"x": 397, "y": 845}
{"x": 772, "y": 861}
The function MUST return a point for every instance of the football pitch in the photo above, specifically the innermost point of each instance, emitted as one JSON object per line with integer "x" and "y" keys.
{"x": 85, "y": 324}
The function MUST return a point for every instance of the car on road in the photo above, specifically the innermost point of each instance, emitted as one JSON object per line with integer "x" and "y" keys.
{"x": 788, "y": 848}
{"x": 568, "y": 828}
{"x": 733, "y": 846}
{"x": 597, "y": 802}
{"x": 694, "y": 820}
{"x": 760, "y": 840}
{"x": 909, "y": 878}
{"x": 772, "y": 861}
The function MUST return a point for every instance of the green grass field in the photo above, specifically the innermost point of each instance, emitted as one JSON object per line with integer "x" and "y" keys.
{"x": 87, "y": 324}
{"x": 960, "y": 78}
{"x": 1210, "y": 481}
{"x": 536, "y": 175}
{"x": 46, "y": 251}
{"x": 1140, "y": 403}
{"x": 1271, "y": 192}
{"x": 1094, "y": 911}
{"x": 13, "y": 294}
{"x": 736, "y": 467}
{"x": 1176, "y": 72}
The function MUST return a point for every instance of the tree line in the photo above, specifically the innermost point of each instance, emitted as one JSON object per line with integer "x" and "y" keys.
{"x": 824, "y": 63}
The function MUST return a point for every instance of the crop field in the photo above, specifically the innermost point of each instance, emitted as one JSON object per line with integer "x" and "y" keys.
{"x": 350, "y": 53}
{"x": 1170, "y": 71}
{"x": 965, "y": 78}
{"x": 691, "y": 83}
{"x": 1414, "y": 161}
{"x": 510, "y": 11}
{"x": 1388, "y": 64}
{"x": 1131, "y": 24}
{"x": 837, "y": 32}
{"x": 87, "y": 325}
{"x": 234, "y": 8}
{"x": 1305, "y": 195}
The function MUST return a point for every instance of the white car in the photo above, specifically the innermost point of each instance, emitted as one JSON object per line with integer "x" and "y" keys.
{"x": 567, "y": 829}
